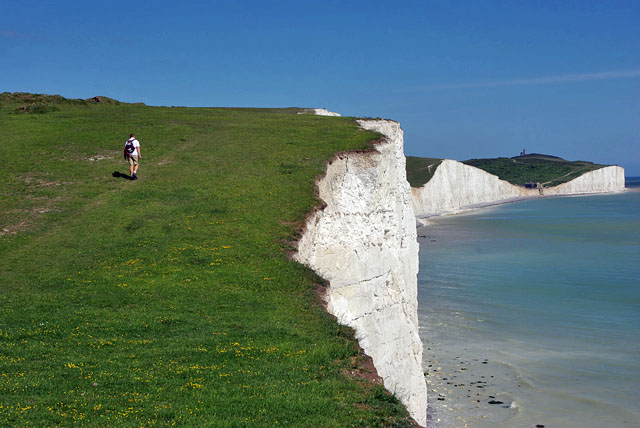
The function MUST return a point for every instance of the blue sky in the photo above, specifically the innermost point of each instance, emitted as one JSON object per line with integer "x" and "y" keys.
{"x": 464, "y": 78}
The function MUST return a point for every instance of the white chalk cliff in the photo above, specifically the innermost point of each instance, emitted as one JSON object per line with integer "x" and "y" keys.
{"x": 456, "y": 186}
{"x": 603, "y": 180}
{"x": 363, "y": 242}
{"x": 319, "y": 112}
{"x": 324, "y": 112}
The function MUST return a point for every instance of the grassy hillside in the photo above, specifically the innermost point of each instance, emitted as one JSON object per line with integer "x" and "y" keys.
{"x": 547, "y": 170}
{"x": 168, "y": 301}
{"x": 420, "y": 170}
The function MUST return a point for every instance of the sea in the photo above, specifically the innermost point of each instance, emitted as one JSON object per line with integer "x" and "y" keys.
{"x": 530, "y": 313}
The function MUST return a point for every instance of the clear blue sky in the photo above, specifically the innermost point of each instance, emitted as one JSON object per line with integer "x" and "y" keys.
{"x": 464, "y": 78}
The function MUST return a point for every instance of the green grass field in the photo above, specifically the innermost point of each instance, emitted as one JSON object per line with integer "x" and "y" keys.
{"x": 420, "y": 170}
{"x": 170, "y": 300}
{"x": 547, "y": 170}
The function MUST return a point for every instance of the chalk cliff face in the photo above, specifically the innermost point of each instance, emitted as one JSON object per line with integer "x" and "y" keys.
{"x": 364, "y": 243}
{"x": 324, "y": 112}
{"x": 456, "y": 186}
{"x": 319, "y": 112}
{"x": 603, "y": 180}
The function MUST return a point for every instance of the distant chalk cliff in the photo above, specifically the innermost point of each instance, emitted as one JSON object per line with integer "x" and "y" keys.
{"x": 456, "y": 186}
{"x": 603, "y": 180}
{"x": 319, "y": 112}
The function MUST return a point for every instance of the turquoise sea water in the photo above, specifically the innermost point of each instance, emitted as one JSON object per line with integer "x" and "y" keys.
{"x": 535, "y": 307}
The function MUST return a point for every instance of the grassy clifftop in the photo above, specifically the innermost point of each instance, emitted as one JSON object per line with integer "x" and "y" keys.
{"x": 544, "y": 169}
{"x": 170, "y": 300}
{"x": 420, "y": 170}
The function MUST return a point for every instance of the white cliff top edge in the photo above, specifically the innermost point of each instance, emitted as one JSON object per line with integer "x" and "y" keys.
{"x": 319, "y": 112}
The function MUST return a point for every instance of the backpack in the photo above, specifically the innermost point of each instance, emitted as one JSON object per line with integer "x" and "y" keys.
{"x": 128, "y": 146}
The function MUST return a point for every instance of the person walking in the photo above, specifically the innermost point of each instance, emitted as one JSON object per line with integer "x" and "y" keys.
{"x": 133, "y": 155}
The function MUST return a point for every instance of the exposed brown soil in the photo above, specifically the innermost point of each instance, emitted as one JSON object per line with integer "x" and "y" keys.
{"x": 14, "y": 229}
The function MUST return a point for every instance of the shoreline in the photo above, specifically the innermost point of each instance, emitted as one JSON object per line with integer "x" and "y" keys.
{"x": 467, "y": 381}
{"x": 422, "y": 220}
{"x": 458, "y": 372}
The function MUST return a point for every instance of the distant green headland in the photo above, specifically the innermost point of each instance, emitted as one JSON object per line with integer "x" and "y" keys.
{"x": 544, "y": 170}
{"x": 169, "y": 300}
{"x": 420, "y": 170}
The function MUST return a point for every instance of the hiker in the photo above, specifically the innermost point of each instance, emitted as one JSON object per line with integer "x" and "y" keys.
{"x": 132, "y": 154}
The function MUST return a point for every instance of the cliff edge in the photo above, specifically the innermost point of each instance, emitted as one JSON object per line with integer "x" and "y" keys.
{"x": 363, "y": 242}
